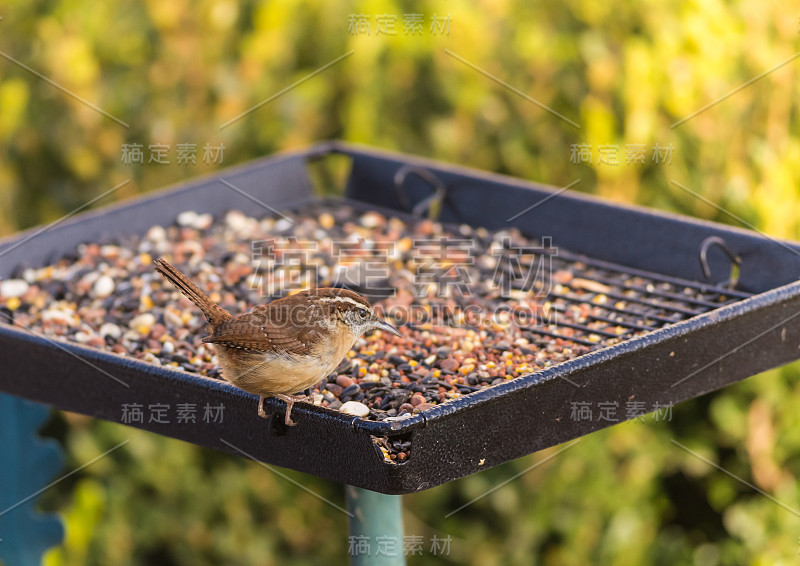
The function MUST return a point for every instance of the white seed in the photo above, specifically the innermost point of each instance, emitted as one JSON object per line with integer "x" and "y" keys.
{"x": 13, "y": 288}
{"x": 109, "y": 251}
{"x": 103, "y": 287}
{"x": 61, "y": 315}
{"x": 173, "y": 317}
{"x": 283, "y": 224}
{"x": 236, "y": 221}
{"x": 110, "y": 329}
{"x": 148, "y": 357}
{"x": 371, "y": 220}
{"x": 188, "y": 218}
{"x": 203, "y": 221}
{"x": 82, "y": 337}
{"x": 168, "y": 347}
{"x": 355, "y": 408}
{"x": 156, "y": 234}
{"x": 145, "y": 319}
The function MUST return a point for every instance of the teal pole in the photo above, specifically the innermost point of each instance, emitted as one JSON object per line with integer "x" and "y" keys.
{"x": 27, "y": 467}
{"x": 376, "y": 528}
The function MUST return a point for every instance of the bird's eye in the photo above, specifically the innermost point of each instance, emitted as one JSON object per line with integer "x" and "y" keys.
{"x": 362, "y": 313}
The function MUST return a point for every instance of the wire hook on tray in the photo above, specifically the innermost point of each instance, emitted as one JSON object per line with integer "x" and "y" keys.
{"x": 736, "y": 261}
{"x": 432, "y": 203}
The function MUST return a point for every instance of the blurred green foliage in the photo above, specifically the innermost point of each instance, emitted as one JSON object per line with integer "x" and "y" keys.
{"x": 175, "y": 72}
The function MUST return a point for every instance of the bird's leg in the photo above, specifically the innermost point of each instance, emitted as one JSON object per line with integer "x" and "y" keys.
{"x": 261, "y": 412}
{"x": 290, "y": 400}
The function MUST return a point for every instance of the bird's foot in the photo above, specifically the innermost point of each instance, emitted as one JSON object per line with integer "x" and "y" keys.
{"x": 290, "y": 400}
{"x": 261, "y": 412}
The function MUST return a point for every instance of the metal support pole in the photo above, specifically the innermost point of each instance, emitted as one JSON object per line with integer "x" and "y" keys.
{"x": 27, "y": 467}
{"x": 376, "y": 528}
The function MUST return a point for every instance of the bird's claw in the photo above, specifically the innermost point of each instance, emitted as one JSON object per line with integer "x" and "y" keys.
{"x": 290, "y": 400}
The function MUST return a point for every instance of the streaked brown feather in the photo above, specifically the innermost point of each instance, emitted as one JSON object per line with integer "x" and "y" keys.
{"x": 214, "y": 313}
{"x": 292, "y": 324}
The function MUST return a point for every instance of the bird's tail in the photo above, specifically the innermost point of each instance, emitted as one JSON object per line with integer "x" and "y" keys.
{"x": 215, "y": 314}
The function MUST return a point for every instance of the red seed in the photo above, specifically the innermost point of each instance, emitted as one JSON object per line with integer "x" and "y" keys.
{"x": 158, "y": 331}
{"x": 344, "y": 381}
{"x": 449, "y": 364}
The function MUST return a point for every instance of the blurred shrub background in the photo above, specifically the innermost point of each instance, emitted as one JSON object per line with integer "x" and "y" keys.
{"x": 175, "y": 72}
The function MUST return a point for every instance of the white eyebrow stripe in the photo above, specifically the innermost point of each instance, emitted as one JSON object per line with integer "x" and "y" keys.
{"x": 345, "y": 300}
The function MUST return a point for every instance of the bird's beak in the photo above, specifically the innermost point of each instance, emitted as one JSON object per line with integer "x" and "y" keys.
{"x": 383, "y": 325}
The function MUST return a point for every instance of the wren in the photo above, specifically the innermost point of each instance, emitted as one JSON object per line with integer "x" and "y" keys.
{"x": 285, "y": 346}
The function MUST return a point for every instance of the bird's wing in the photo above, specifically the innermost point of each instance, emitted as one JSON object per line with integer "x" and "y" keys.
{"x": 270, "y": 327}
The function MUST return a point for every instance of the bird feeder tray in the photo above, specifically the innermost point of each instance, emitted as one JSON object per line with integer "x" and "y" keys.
{"x": 718, "y": 303}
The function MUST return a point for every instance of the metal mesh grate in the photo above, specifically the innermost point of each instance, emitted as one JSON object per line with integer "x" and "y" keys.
{"x": 608, "y": 303}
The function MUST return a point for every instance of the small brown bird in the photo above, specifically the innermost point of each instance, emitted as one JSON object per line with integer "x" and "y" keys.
{"x": 285, "y": 346}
